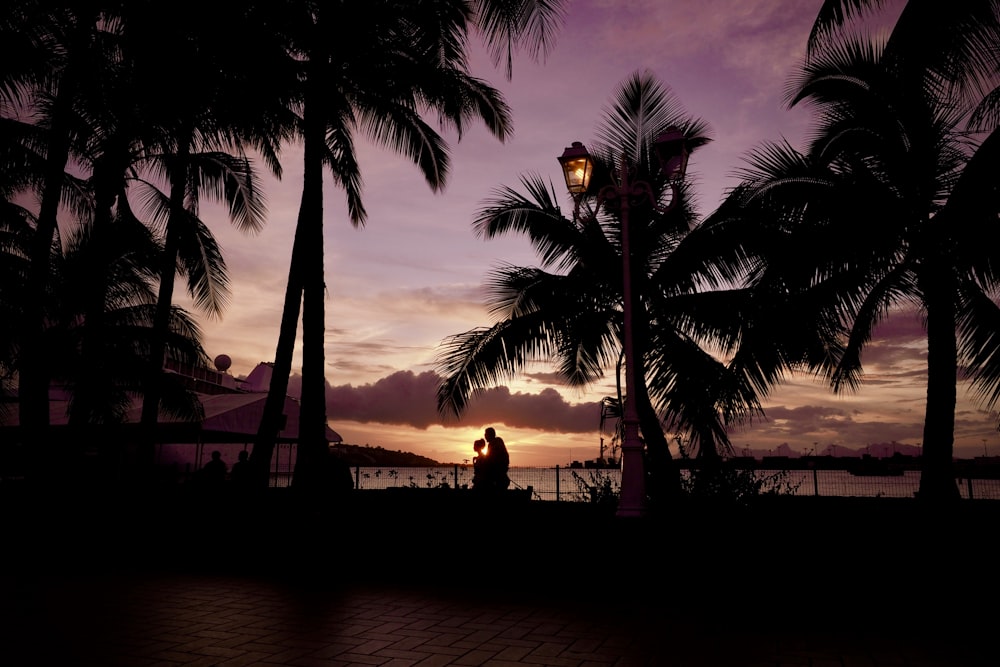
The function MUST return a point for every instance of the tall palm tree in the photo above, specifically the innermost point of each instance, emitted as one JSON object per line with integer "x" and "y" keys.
{"x": 372, "y": 68}
{"x": 570, "y": 310}
{"x": 891, "y": 198}
{"x": 137, "y": 115}
{"x": 64, "y": 45}
{"x": 22, "y": 169}
{"x": 198, "y": 97}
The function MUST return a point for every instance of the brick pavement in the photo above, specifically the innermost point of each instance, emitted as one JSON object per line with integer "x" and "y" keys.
{"x": 162, "y": 619}
{"x": 383, "y": 586}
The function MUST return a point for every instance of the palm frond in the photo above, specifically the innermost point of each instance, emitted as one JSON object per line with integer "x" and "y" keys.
{"x": 529, "y": 24}
{"x": 203, "y": 263}
{"x": 484, "y": 357}
{"x": 536, "y": 214}
{"x": 972, "y": 210}
{"x": 458, "y": 97}
{"x": 834, "y": 14}
{"x": 402, "y": 130}
{"x": 979, "y": 344}
{"x": 231, "y": 180}
{"x": 341, "y": 157}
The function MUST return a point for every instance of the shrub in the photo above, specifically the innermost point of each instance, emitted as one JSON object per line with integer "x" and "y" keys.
{"x": 599, "y": 489}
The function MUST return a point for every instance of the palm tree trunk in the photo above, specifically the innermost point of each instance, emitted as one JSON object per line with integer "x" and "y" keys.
{"x": 164, "y": 302}
{"x": 310, "y": 216}
{"x": 34, "y": 373}
{"x": 662, "y": 474}
{"x": 937, "y": 469}
{"x": 87, "y": 405}
{"x": 273, "y": 417}
{"x": 313, "y": 450}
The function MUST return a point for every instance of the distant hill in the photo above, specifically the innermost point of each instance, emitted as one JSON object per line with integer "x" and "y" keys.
{"x": 357, "y": 455}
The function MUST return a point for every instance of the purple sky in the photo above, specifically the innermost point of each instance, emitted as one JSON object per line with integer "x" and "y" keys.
{"x": 413, "y": 276}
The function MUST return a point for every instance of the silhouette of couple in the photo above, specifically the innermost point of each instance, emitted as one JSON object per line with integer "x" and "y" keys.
{"x": 490, "y": 468}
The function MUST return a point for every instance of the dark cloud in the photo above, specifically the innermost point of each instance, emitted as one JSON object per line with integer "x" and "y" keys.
{"x": 400, "y": 398}
{"x": 410, "y": 399}
{"x": 806, "y": 426}
{"x": 370, "y": 358}
{"x": 902, "y": 326}
{"x": 806, "y": 413}
{"x": 545, "y": 378}
{"x": 899, "y": 343}
{"x": 545, "y": 411}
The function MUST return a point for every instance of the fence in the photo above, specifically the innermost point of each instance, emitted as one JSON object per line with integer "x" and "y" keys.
{"x": 583, "y": 484}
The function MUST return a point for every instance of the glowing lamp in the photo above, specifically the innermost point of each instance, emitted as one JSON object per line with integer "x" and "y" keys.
{"x": 578, "y": 167}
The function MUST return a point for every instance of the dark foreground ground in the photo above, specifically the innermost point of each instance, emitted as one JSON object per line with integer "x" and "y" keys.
{"x": 427, "y": 578}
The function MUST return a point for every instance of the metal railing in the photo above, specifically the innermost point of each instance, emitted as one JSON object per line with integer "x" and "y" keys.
{"x": 585, "y": 484}
{"x": 873, "y": 478}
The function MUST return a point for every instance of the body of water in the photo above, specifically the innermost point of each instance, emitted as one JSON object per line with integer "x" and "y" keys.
{"x": 575, "y": 484}
{"x": 560, "y": 483}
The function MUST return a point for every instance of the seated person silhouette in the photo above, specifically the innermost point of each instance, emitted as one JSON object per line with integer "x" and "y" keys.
{"x": 213, "y": 474}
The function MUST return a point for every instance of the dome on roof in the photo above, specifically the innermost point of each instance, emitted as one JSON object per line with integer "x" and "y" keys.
{"x": 223, "y": 362}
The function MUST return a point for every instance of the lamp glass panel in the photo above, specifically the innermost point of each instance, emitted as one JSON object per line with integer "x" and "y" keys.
{"x": 577, "y": 173}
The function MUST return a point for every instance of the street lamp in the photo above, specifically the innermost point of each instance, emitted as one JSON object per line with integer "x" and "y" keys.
{"x": 578, "y": 167}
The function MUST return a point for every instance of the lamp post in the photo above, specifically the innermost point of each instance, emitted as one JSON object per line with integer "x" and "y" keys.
{"x": 578, "y": 167}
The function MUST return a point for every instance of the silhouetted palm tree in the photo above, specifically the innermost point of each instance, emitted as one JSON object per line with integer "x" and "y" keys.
{"x": 128, "y": 267}
{"x": 16, "y": 229}
{"x": 372, "y": 68}
{"x": 96, "y": 403}
{"x": 570, "y": 311}
{"x": 60, "y": 45}
{"x": 198, "y": 99}
{"x": 140, "y": 121}
{"x": 889, "y": 203}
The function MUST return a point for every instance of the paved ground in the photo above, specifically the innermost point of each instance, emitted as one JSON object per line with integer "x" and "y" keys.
{"x": 175, "y": 619}
{"x": 163, "y": 619}
{"x": 394, "y": 585}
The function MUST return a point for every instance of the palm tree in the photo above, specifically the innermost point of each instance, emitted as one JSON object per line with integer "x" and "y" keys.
{"x": 570, "y": 309}
{"x": 62, "y": 46}
{"x": 371, "y": 68}
{"x": 99, "y": 404}
{"x": 137, "y": 115}
{"x": 16, "y": 228}
{"x": 891, "y": 197}
{"x": 129, "y": 259}
{"x": 198, "y": 97}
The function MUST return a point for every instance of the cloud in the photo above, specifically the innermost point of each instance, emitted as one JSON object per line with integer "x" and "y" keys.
{"x": 407, "y": 398}
{"x": 546, "y": 410}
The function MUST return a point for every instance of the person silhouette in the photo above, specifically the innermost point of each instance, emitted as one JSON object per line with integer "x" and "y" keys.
{"x": 498, "y": 461}
{"x": 213, "y": 473}
{"x": 479, "y": 474}
{"x": 240, "y": 473}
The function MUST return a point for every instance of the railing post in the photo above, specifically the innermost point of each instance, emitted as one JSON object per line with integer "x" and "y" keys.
{"x": 557, "y": 483}
{"x": 968, "y": 483}
{"x": 277, "y": 462}
{"x": 815, "y": 482}
{"x": 456, "y": 477}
